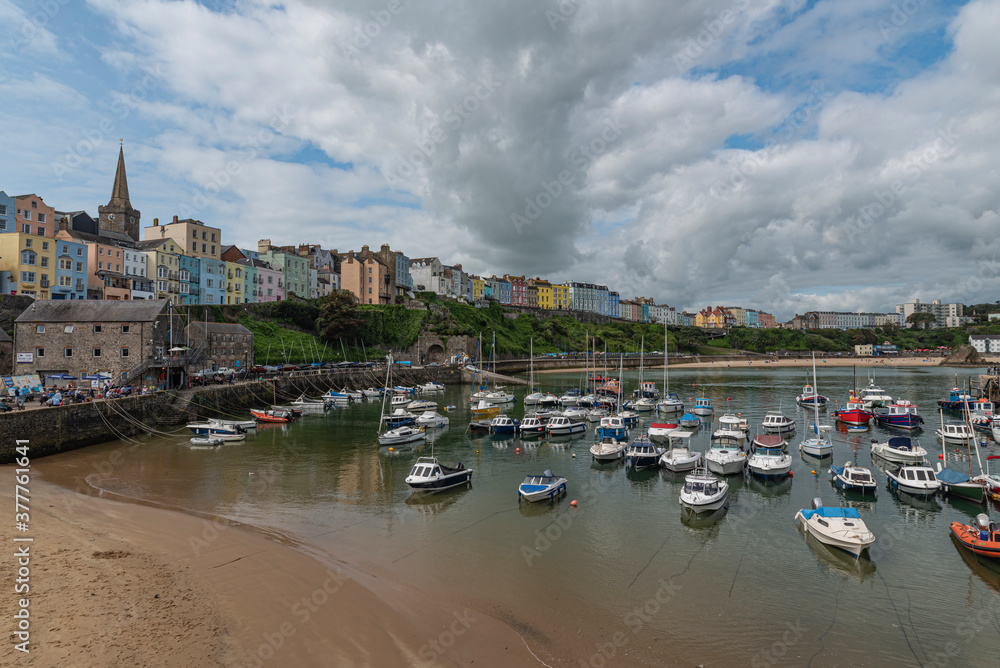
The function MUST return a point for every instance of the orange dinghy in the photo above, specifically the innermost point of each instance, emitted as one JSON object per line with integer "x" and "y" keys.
{"x": 272, "y": 416}
{"x": 983, "y": 538}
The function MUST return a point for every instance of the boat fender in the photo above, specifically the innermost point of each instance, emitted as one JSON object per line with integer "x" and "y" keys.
{"x": 517, "y": 449}
{"x": 791, "y": 474}
{"x": 392, "y": 449}
{"x": 573, "y": 503}
{"x": 574, "y": 455}
{"x": 814, "y": 471}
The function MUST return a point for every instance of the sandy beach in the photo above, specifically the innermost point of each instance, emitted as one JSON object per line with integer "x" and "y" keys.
{"x": 123, "y": 584}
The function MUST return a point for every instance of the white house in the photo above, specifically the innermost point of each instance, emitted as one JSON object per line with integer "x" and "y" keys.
{"x": 985, "y": 343}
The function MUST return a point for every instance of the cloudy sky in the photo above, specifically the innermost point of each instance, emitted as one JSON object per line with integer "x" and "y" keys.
{"x": 782, "y": 154}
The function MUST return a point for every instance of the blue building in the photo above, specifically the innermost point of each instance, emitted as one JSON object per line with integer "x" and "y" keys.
{"x": 645, "y": 312}
{"x": 504, "y": 290}
{"x": 404, "y": 281}
{"x": 752, "y": 320}
{"x": 251, "y": 286}
{"x": 613, "y": 299}
{"x": 71, "y": 271}
{"x": 7, "y": 209}
{"x": 189, "y": 279}
{"x": 212, "y": 281}
{"x": 602, "y": 294}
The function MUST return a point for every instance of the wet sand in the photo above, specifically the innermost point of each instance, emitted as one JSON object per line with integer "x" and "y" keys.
{"x": 123, "y": 584}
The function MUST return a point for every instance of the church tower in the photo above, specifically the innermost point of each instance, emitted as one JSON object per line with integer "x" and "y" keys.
{"x": 118, "y": 215}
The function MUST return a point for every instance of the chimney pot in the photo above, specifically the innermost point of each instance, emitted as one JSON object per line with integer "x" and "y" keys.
{"x": 175, "y": 219}
{"x": 156, "y": 222}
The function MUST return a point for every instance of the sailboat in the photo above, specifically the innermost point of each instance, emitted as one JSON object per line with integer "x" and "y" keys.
{"x": 534, "y": 397}
{"x": 496, "y": 396}
{"x": 670, "y": 404}
{"x": 956, "y": 483}
{"x": 817, "y": 445}
{"x": 643, "y": 401}
{"x": 399, "y": 435}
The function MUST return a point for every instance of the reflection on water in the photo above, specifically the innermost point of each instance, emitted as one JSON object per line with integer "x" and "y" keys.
{"x": 743, "y": 573}
{"x": 838, "y": 561}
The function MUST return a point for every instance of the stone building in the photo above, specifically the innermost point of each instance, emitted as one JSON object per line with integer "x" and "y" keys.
{"x": 6, "y": 353}
{"x": 118, "y": 215}
{"x": 82, "y": 338}
{"x": 223, "y": 344}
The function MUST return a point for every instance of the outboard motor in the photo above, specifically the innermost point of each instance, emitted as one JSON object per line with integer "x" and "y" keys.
{"x": 983, "y": 524}
{"x": 817, "y": 503}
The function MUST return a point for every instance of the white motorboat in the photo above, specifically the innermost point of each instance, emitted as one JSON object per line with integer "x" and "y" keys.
{"x": 246, "y": 425}
{"x": 400, "y": 401}
{"x": 631, "y": 418}
{"x": 776, "y": 422}
{"x": 610, "y": 449}
{"x": 670, "y": 404}
{"x": 401, "y": 436}
{"x": 873, "y": 396}
{"x": 660, "y": 431}
{"x": 956, "y": 434}
{"x": 541, "y": 487}
{"x": 502, "y": 424}
{"x": 353, "y": 395}
{"x": 337, "y": 397}
{"x": 372, "y": 393}
{"x": 432, "y": 420}
{"x": 587, "y": 401}
{"x": 642, "y": 453}
{"x": 562, "y": 426}
{"x": 899, "y": 450}
{"x": 613, "y": 426}
{"x": 853, "y": 478}
{"x": 917, "y": 480}
{"x": 703, "y": 406}
{"x": 421, "y": 405}
{"x": 533, "y": 398}
{"x": 499, "y": 397}
{"x": 570, "y": 397}
{"x": 725, "y": 457}
{"x": 841, "y": 528}
{"x": 597, "y": 414}
{"x": 730, "y": 422}
{"x": 548, "y": 400}
{"x": 206, "y": 440}
{"x": 213, "y": 429}
{"x": 769, "y": 462}
{"x": 532, "y": 426}
{"x": 733, "y": 436}
{"x": 575, "y": 413}
{"x": 703, "y": 491}
{"x": 679, "y": 455}
{"x": 644, "y": 405}
{"x": 429, "y": 475}
{"x": 432, "y": 386}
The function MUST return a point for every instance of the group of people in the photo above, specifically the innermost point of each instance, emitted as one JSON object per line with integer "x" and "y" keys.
{"x": 57, "y": 396}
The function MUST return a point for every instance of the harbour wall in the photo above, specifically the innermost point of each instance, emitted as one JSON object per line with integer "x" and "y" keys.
{"x": 61, "y": 428}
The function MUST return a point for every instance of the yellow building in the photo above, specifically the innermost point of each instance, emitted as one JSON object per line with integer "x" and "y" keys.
{"x": 545, "y": 293}
{"x": 31, "y": 261}
{"x": 234, "y": 283}
{"x": 560, "y": 296}
{"x": 163, "y": 265}
{"x": 478, "y": 288}
{"x": 195, "y": 238}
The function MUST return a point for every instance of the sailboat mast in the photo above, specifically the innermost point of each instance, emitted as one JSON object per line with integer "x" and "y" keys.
{"x": 666, "y": 355}
{"x": 388, "y": 376}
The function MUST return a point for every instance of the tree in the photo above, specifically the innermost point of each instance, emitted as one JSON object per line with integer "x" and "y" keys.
{"x": 922, "y": 320}
{"x": 339, "y": 317}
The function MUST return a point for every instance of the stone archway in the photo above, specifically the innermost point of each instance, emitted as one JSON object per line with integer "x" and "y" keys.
{"x": 434, "y": 353}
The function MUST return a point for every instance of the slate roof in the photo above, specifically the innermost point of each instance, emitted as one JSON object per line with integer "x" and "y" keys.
{"x": 197, "y": 330}
{"x": 62, "y": 310}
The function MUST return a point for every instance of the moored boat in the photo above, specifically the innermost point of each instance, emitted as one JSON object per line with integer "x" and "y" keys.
{"x": 689, "y": 421}
{"x": 679, "y": 455}
{"x": 914, "y": 479}
{"x": 899, "y": 450}
{"x": 206, "y": 440}
{"x": 504, "y": 425}
{"x": 430, "y": 475}
{"x": 703, "y": 491}
{"x": 642, "y": 453}
{"x": 841, "y": 528}
{"x": 703, "y": 406}
{"x": 547, "y": 486}
{"x": 960, "y": 485}
{"x": 725, "y": 458}
{"x": 532, "y": 426}
{"x": 432, "y": 420}
{"x": 775, "y": 422}
{"x": 562, "y": 426}
{"x": 853, "y": 413}
{"x": 660, "y": 431}
{"x": 901, "y": 415}
{"x": 401, "y": 436}
{"x": 613, "y": 426}
{"x": 956, "y": 434}
{"x": 770, "y": 463}
{"x": 610, "y": 449}
{"x": 809, "y": 398}
{"x": 272, "y": 415}
{"x": 983, "y": 537}
{"x": 853, "y": 478}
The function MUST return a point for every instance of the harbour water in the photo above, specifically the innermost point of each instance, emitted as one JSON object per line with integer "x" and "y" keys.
{"x": 620, "y": 580}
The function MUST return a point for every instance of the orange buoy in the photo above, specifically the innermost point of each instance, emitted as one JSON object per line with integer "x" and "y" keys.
{"x": 573, "y": 503}
{"x": 517, "y": 449}
{"x": 392, "y": 449}
{"x": 813, "y": 471}
{"x": 941, "y": 456}
{"x": 791, "y": 474}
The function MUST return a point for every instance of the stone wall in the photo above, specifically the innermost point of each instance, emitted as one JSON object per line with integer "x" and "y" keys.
{"x": 63, "y": 428}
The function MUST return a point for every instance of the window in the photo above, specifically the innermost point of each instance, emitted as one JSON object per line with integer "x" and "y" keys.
{"x": 41, "y": 217}
{"x": 3, "y": 209}
{"x": 203, "y": 248}
{"x": 126, "y": 329}
{"x": 39, "y": 352}
{"x": 27, "y": 257}
{"x": 45, "y": 244}
{"x": 97, "y": 352}
{"x": 79, "y": 266}
{"x": 211, "y": 298}
{"x": 3, "y": 223}
{"x": 68, "y": 329}
{"x": 98, "y": 329}
{"x": 124, "y": 352}
{"x": 27, "y": 215}
{"x": 34, "y": 204}
{"x": 211, "y": 283}
{"x": 100, "y": 265}
{"x": 41, "y": 232}
{"x": 100, "y": 251}
{"x": 27, "y": 277}
{"x": 213, "y": 248}
{"x": 213, "y": 239}
{"x": 40, "y": 329}
{"x": 45, "y": 261}
{"x": 204, "y": 234}
{"x": 194, "y": 246}
{"x": 79, "y": 252}
{"x": 118, "y": 253}
{"x": 68, "y": 352}
{"x": 369, "y": 279}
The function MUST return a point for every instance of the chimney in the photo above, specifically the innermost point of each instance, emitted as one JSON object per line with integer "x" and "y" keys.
{"x": 64, "y": 223}
{"x": 156, "y": 222}
{"x": 175, "y": 219}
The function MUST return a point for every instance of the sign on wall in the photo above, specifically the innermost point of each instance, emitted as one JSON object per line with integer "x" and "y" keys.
{"x": 25, "y": 358}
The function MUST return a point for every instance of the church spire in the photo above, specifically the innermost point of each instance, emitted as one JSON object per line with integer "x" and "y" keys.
{"x": 119, "y": 194}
